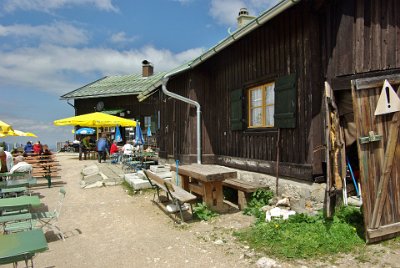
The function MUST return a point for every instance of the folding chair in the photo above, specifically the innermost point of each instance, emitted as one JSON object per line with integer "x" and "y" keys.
{"x": 41, "y": 219}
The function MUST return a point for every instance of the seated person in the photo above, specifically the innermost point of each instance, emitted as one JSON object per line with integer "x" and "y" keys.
{"x": 37, "y": 148}
{"x": 46, "y": 150}
{"x": 20, "y": 166}
{"x": 114, "y": 151}
{"x": 128, "y": 148}
{"x": 28, "y": 148}
{"x": 6, "y": 161}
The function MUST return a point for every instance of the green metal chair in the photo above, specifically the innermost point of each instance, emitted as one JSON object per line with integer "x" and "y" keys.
{"x": 41, "y": 219}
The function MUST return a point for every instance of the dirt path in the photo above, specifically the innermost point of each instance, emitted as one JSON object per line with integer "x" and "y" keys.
{"x": 105, "y": 227}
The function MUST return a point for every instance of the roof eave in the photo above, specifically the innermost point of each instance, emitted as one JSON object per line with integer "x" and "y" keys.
{"x": 257, "y": 22}
{"x": 97, "y": 96}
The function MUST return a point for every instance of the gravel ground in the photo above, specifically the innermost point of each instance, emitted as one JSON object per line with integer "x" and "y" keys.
{"x": 105, "y": 227}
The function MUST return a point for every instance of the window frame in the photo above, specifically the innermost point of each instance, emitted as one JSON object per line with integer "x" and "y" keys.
{"x": 263, "y": 87}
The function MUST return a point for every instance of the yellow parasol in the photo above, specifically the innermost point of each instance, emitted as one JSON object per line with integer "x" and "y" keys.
{"x": 15, "y": 132}
{"x": 24, "y": 134}
{"x": 4, "y": 127}
{"x": 95, "y": 120}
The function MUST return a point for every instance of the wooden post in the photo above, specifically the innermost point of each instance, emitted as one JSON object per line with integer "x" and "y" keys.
{"x": 277, "y": 162}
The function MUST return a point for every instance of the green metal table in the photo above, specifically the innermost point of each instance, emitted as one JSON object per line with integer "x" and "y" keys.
{"x": 18, "y": 183}
{"x": 19, "y": 203}
{"x": 7, "y": 192}
{"x": 21, "y": 246}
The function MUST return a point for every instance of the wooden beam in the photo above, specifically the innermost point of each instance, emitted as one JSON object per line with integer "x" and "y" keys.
{"x": 374, "y": 82}
{"x": 384, "y": 230}
{"x": 344, "y": 82}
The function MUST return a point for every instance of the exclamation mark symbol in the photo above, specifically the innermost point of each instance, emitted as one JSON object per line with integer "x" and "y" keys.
{"x": 387, "y": 96}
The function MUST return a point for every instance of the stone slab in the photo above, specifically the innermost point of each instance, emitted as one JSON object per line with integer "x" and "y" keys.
{"x": 139, "y": 184}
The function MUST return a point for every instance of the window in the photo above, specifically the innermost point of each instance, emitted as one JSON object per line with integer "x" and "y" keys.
{"x": 261, "y": 106}
{"x": 147, "y": 121}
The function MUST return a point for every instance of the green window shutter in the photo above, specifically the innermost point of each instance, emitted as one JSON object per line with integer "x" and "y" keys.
{"x": 237, "y": 109}
{"x": 285, "y": 101}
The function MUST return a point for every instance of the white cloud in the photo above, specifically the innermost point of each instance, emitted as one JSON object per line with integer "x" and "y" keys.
{"x": 183, "y": 2}
{"x": 49, "y": 68}
{"x": 226, "y": 11}
{"x": 121, "y": 37}
{"x": 56, "y": 33}
{"x": 48, "y": 5}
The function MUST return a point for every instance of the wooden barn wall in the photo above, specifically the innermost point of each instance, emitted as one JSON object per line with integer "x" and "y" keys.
{"x": 362, "y": 36}
{"x": 287, "y": 44}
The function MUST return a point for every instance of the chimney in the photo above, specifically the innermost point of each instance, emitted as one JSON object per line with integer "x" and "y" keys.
{"x": 244, "y": 17}
{"x": 147, "y": 69}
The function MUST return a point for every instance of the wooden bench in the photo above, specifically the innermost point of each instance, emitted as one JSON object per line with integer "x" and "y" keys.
{"x": 244, "y": 190}
{"x": 178, "y": 195}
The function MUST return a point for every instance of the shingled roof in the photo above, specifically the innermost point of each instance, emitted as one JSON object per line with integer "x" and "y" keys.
{"x": 118, "y": 85}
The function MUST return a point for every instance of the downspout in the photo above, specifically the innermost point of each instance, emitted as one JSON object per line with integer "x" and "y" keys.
{"x": 189, "y": 101}
{"x": 72, "y": 106}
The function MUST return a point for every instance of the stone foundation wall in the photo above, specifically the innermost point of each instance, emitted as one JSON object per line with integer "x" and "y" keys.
{"x": 305, "y": 196}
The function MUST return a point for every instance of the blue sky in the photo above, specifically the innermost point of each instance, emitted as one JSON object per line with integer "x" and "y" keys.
{"x": 49, "y": 48}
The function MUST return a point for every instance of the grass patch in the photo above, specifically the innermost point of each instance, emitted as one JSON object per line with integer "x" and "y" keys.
{"x": 128, "y": 188}
{"x": 304, "y": 236}
{"x": 202, "y": 212}
{"x": 131, "y": 191}
{"x": 258, "y": 199}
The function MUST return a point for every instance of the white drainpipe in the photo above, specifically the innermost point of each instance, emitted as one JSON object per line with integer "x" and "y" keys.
{"x": 189, "y": 101}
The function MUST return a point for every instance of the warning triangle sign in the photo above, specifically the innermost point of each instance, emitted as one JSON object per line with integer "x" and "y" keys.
{"x": 388, "y": 101}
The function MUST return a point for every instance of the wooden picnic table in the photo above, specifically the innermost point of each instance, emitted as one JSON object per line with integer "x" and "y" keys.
{"x": 206, "y": 181}
{"x": 21, "y": 246}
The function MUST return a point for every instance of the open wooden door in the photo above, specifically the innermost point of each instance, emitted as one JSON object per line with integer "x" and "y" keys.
{"x": 378, "y": 145}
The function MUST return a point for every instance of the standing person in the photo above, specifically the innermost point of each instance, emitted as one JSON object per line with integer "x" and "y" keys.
{"x": 84, "y": 147}
{"x": 6, "y": 161}
{"x": 102, "y": 147}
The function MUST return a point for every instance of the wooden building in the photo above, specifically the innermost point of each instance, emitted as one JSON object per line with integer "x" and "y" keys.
{"x": 117, "y": 95}
{"x": 273, "y": 92}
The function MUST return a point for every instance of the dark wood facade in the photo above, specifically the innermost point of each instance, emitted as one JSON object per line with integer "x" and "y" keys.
{"x": 318, "y": 41}
{"x": 363, "y": 40}
{"x": 128, "y": 103}
{"x": 137, "y": 110}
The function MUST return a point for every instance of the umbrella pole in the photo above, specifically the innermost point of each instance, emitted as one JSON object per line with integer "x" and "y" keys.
{"x": 97, "y": 133}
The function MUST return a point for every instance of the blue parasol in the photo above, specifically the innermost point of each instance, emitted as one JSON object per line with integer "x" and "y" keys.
{"x": 139, "y": 136}
{"x": 118, "y": 137}
{"x": 85, "y": 131}
{"x": 148, "y": 131}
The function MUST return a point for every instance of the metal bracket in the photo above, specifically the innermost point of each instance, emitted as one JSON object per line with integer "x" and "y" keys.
{"x": 372, "y": 137}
